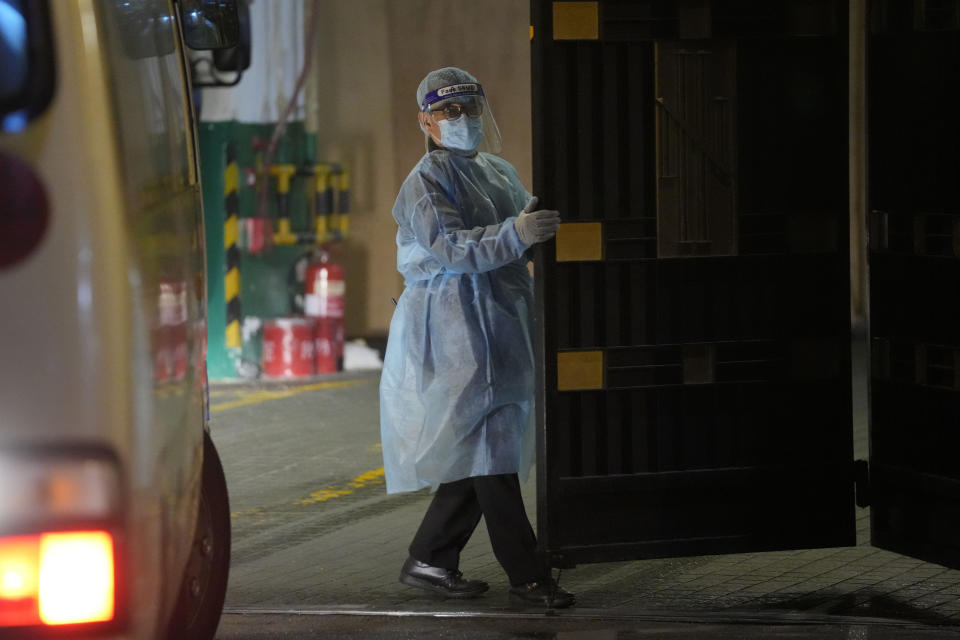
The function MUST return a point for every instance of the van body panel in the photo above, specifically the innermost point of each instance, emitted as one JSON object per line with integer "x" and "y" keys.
{"x": 104, "y": 322}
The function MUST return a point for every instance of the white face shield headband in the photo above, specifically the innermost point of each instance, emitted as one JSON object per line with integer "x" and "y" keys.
{"x": 465, "y": 119}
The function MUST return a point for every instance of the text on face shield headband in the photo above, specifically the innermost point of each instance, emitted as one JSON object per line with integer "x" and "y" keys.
{"x": 452, "y": 91}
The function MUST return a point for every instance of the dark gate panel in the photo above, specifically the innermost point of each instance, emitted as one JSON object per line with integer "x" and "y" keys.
{"x": 915, "y": 278}
{"x": 694, "y": 311}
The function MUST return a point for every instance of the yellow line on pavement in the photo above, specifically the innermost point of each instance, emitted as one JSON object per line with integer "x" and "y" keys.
{"x": 366, "y": 479}
{"x": 256, "y": 397}
{"x": 329, "y": 493}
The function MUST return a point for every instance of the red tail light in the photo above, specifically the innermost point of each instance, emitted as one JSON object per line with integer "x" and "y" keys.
{"x": 24, "y": 210}
{"x": 57, "y": 578}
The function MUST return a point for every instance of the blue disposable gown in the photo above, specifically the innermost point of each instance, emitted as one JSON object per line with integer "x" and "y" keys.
{"x": 456, "y": 392}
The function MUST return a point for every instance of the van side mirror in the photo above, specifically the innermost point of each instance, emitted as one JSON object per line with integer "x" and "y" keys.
{"x": 210, "y": 24}
{"x": 237, "y": 58}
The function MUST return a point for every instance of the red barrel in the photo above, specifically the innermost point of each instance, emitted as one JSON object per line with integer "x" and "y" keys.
{"x": 288, "y": 348}
{"x": 324, "y": 301}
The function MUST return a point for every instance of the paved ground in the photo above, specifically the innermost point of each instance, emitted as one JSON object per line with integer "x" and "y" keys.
{"x": 315, "y": 532}
{"x": 338, "y": 627}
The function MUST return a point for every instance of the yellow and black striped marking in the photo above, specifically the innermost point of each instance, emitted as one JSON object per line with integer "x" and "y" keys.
{"x": 230, "y": 233}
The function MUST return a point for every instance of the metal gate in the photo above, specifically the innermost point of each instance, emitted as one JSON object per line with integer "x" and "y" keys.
{"x": 693, "y": 312}
{"x": 914, "y": 99}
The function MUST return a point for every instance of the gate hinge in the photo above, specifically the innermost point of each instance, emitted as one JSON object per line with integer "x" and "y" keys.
{"x": 861, "y": 482}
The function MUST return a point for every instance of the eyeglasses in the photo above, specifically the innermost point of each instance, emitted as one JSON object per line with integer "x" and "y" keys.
{"x": 453, "y": 110}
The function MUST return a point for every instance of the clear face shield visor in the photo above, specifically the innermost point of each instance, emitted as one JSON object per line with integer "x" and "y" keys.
{"x": 465, "y": 119}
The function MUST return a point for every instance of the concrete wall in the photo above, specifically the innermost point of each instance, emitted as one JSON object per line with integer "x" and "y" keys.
{"x": 360, "y": 100}
{"x": 370, "y": 57}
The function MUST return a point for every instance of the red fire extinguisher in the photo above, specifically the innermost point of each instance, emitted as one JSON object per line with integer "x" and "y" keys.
{"x": 324, "y": 300}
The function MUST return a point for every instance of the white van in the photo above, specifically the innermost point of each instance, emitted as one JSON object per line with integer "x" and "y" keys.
{"x": 114, "y": 520}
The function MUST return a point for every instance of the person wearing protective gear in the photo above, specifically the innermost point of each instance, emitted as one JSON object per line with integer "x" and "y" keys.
{"x": 456, "y": 393}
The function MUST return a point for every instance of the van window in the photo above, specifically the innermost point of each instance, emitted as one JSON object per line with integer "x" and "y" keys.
{"x": 13, "y": 49}
{"x": 26, "y": 62}
{"x": 150, "y": 106}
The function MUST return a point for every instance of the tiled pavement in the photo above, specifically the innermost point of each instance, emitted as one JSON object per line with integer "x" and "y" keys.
{"x": 314, "y": 530}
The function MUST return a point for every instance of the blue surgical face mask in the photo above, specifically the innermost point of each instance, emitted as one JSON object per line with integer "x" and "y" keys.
{"x": 462, "y": 134}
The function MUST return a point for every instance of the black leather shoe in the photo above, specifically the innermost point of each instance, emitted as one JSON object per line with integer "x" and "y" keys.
{"x": 445, "y": 582}
{"x": 544, "y": 594}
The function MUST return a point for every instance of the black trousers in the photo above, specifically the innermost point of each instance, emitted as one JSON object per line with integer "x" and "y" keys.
{"x": 455, "y": 512}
